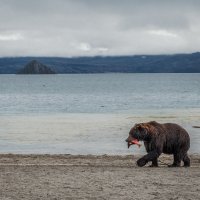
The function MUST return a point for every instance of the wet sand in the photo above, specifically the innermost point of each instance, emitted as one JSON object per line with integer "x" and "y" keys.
{"x": 95, "y": 177}
{"x": 63, "y": 133}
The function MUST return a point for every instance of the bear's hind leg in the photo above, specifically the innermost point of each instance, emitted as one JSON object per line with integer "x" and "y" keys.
{"x": 177, "y": 161}
{"x": 186, "y": 160}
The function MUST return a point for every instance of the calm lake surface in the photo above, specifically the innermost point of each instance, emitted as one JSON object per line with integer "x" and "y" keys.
{"x": 92, "y": 113}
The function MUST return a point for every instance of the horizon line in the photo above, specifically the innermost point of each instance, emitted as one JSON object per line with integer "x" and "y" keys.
{"x": 103, "y": 56}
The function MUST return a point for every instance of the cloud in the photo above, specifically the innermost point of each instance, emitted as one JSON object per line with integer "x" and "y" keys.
{"x": 10, "y": 37}
{"x": 93, "y": 27}
{"x": 102, "y": 49}
{"x": 84, "y": 47}
{"x": 162, "y": 33}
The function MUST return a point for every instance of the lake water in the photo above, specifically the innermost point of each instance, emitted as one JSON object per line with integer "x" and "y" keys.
{"x": 92, "y": 113}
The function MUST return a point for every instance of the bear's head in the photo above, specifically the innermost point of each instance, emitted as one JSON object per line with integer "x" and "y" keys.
{"x": 140, "y": 132}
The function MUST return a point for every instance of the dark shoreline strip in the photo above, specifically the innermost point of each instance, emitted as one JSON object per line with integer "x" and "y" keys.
{"x": 196, "y": 126}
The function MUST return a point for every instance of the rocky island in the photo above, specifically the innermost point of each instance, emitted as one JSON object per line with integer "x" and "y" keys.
{"x": 35, "y": 67}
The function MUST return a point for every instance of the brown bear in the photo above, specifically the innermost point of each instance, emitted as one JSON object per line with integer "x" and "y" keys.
{"x": 168, "y": 138}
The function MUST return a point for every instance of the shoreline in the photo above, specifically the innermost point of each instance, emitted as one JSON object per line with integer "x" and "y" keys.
{"x": 56, "y": 159}
{"x": 64, "y": 176}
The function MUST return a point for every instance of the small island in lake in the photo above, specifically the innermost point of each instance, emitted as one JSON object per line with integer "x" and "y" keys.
{"x": 35, "y": 67}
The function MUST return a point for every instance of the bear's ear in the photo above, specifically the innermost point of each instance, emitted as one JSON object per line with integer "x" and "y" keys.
{"x": 136, "y": 125}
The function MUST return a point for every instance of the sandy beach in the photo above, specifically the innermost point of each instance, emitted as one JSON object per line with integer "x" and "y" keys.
{"x": 95, "y": 177}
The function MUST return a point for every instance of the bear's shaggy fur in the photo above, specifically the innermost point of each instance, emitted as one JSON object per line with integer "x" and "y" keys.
{"x": 159, "y": 138}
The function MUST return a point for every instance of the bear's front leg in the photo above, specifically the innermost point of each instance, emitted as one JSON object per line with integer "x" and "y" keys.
{"x": 151, "y": 156}
{"x": 154, "y": 163}
{"x": 141, "y": 162}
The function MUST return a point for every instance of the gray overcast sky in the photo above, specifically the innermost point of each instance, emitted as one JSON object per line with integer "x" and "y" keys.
{"x": 98, "y": 27}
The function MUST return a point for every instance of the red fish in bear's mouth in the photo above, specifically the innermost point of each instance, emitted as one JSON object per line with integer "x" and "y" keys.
{"x": 134, "y": 142}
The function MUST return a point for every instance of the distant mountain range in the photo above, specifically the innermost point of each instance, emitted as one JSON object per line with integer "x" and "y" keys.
{"x": 177, "y": 63}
